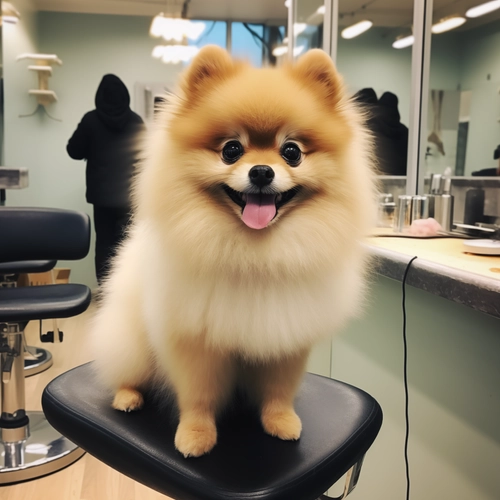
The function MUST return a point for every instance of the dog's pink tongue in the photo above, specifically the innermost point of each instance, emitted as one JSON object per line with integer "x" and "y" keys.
{"x": 259, "y": 210}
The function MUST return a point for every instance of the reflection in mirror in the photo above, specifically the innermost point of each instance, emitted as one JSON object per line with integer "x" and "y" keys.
{"x": 464, "y": 97}
{"x": 377, "y": 70}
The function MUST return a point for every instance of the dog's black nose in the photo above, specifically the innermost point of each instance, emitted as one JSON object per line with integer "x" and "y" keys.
{"x": 261, "y": 175}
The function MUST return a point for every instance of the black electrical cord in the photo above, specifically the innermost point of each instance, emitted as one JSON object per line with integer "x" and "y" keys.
{"x": 405, "y": 380}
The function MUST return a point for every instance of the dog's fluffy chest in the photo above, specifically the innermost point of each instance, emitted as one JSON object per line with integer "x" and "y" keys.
{"x": 255, "y": 318}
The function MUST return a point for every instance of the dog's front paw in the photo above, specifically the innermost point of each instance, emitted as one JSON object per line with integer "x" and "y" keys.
{"x": 127, "y": 399}
{"x": 284, "y": 424}
{"x": 195, "y": 437}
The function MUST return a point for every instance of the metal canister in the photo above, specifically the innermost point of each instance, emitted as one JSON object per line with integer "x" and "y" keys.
{"x": 419, "y": 207}
{"x": 402, "y": 220}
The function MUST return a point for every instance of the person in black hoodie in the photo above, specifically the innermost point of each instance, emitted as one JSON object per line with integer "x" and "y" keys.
{"x": 391, "y": 136}
{"x": 108, "y": 137}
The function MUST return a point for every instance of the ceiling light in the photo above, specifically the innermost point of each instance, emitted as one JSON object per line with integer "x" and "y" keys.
{"x": 356, "y": 29}
{"x": 403, "y": 42}
{"x": 279, "y": 51}
{"x": 447, "y": 24}
{"x": 299, "y": 28}
{"x": 288, "y": 3}
{"x": 321, "y": 10}
{"x": 158, "y": 51}
{"x": 177, "y": 53}
{"x": 484, "y": 8}
{"x": 175, "y": 28}
{"x": 298, "y": 50}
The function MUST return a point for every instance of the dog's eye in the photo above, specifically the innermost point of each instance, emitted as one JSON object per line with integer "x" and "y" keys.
{"x": 291, "y": 153}
{"x": 232, "y": 151}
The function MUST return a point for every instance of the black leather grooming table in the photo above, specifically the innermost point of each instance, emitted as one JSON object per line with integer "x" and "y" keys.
{"x": 340, "y": 423}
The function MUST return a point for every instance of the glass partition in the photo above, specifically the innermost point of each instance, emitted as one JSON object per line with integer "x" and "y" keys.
{"x": 463, "y": 126}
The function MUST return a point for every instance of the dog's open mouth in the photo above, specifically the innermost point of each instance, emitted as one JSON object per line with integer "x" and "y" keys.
{"x": 259, "y": 209}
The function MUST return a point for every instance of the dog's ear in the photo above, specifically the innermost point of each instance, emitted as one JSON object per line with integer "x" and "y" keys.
{"x": 212, "y": 64}
{"x": 316, "y": 68}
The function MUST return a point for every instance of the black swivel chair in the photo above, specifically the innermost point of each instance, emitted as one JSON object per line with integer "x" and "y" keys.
{"x": 29, "y": 446}
{"x": 36, "y": 359}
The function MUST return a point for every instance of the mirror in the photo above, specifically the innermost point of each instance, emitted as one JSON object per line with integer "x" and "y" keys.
{"x": 377, "y": 70}
{"x": 463, "y": 127}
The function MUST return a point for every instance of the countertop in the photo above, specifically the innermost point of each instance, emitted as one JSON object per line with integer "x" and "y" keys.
{"x": 441, "y": 268}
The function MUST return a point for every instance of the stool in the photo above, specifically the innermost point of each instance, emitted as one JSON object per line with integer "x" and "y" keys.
{"x": 340, "y": 422}
{"x": 36, "y": 359}
{"x": 32, "y": 448}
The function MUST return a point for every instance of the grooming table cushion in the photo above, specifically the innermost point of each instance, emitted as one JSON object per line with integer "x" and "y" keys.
{"x": 340, "y": 422}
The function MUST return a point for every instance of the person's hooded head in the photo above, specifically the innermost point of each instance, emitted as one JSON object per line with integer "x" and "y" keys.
{"x": 365, "y": 96}
{"x": 389, "y": 102}
{"x": 112, "y": 102}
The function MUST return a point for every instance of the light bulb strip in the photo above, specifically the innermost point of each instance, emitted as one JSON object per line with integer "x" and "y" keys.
{"x": 356, "y": 29}
{"x": 484, "y": 8}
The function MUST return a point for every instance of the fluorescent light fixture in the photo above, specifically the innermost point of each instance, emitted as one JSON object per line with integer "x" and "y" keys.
{"x": 288, "y": 3}
{"x": 173, "y": 54}
{"x": 321, "y": 10}
{"x": 158, "y": 51}
{"x": 447, "y": 24}
{"x": 356, "y": 29}
{"x": 484, "y": 8}
{"x": 175, "y": 28}
{"x": 298, "y": 50}
{"x": 279, "y": 51}
{"x": 299, "y": 28}
{"x": 157, "y": 26}
{"x": 403, "y": 42}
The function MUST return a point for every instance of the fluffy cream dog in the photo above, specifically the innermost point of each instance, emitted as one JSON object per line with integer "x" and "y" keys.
{"x": 251, "y": 206}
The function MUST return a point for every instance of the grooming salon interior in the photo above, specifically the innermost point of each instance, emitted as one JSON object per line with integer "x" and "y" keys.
{"x": 426, "y": 342}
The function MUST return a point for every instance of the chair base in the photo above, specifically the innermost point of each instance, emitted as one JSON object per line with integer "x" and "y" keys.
{"x": 42, "y": 362}
{"x": 42, "y": 452}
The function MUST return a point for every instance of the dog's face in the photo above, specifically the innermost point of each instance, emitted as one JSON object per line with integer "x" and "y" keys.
{"x": 260, "y": 142}
{"x": 263, "y": 169}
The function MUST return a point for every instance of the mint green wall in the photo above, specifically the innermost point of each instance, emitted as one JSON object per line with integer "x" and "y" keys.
{"x": 454, "y": 381}
{"x": 17, "y": 39}
{"x": 89, "y": 47}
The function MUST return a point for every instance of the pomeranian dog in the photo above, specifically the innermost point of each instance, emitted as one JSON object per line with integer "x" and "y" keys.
{"x": 251, "y": 204}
